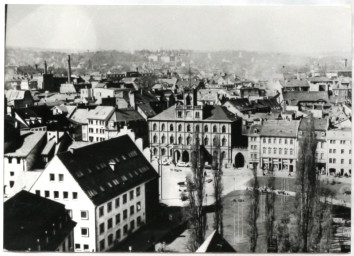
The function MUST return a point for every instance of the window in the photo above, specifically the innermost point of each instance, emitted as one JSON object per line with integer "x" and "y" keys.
{"x": 84, "y": 232}
{"x": 179, "y": 114}
{"x": 117, "y": 202}
{"x": 86, "y": 246}
{"x": 38, "y": 192}
{"x": 215, "y": 129}
{"x": 342, "y": 161}
{"x": 189, "y": 140}
{"x": 292, "y": 152}
{"x": 285, "y": 151}
{"x": 334, "y": 151}
{"x": 138, "y": 206}
{"x": 101, "y": 228}
{"x": 110, "y": 239}
{"x": 77, "y": 246}
{"x": 206, "y": 128}
{"x": 109, "y": 223}
{"x": 223, "y": 129}
{"x": 109, "y": 207}
{"x": 162, "y": 127}
{"x": 180, "y": 140}
{"x": 131, "y": 210}
{"x": 171, "y": 127}
{"x": 131, "y": 195}
{"x": 274, "y": 150}
{"x": 291, "y": 141}
{"x": 154, "y": 139}
{"x": 132, "y": 225}
{"x": 10, "y": 160}
{"x": 138, "y": 221}
{"x": 74, "y": 195}
{"x": 84, "y": 215}
{"x": 12, "y": 173}
{"x": 179, "y": 127}
{"x": 125, "y": 229}
{"x": 56, "y": 194}
{"x": 206, "y": 140}
{"x": 138, "y": 191}
{"x": 197, "y": 128}
{"x": 286, "y": 141}
{"x": 18, "y": 160}
{"x": 125, "y": 199}
{"x": 334, "y": 160}
{"x": 46, "y": 193}
{"x": 65, "y": 195}
{"x": 118, "y": 218}
{"x": 330, "y": 150}
{"x": 342, "y": 151}
{"x": 350, "y": 161}
{"x": 101, "y": 211}
{"x": 188, "y": 128}
{"x": 102, "y": 245}
{"x": 125, "y": 214}
{"x": 280, "y": 151}
{"x": 264, "y": 150}
{"x": 118, "y": 235}
{"x": 330, "y": 160}
{"x": 264, "y": 140}
{"x": 269, "y": 140}
{"x": 269, "y": 150}
{"x": 12, "y": 183}
{"x": 223, "y": 142}
{"x": 279, "y": 141}
{"x": 154, "y": 127}
{"x": 197, "y": 115}
{"x": 51, "y": 177}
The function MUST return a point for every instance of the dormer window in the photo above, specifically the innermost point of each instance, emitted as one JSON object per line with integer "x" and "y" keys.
{"x": 256, "y": 131}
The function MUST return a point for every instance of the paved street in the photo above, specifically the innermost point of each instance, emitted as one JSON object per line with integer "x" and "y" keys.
{"x": 233, "y": 179}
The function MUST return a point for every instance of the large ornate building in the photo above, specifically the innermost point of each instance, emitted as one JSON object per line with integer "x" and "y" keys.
{"x": 172, "y": 133}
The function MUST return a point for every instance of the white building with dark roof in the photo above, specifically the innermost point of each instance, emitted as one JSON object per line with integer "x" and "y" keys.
{"x": 109, "y": 188}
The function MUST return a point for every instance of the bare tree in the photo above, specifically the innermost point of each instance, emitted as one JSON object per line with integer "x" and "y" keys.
{"x": 218, "y": 188}
{"x": 306, "y": 198}
{"x": 196, "y": 193}
{"x": 269, "y": 209}
{"x": 253, "y": 213}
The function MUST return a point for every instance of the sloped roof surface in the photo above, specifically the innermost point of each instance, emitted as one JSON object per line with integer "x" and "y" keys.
{"x": 295, "y": 97}
{"x": 90, "y": 167}
{"x": 280, "y": 128}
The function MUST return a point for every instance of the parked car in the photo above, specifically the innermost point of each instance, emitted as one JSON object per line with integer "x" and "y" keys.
{"x": 181, "y": 164}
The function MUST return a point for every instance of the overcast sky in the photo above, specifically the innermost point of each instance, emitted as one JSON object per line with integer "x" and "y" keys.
{"x": 293, "y": 29}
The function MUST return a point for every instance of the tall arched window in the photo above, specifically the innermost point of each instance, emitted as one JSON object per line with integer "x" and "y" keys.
{"x": 223, "y": 129}
{"x": 155, "y": 151}
{"x": 163, "y": 139}
{"x": 189, "y": 140}
{"x": 223, "y": 155}
{"x": 171, "y": 127}
{"x": 180, "y": 140}
{"x": 223, "y": 142}
{"x": 179, "y": 127}
{"x": 206, "y": 128}
{"x": 215, "y": 141}
{"x": 162, "y": 127}
{"x": 206, "y": 141}
{"x": 154, "y": 127}
{"x": 215, "y": 129}
{"x": 171, "y": 140}
{"x": 154, "y": 139}
{"x": 163, "y": 151}
{"x": 188, "y": 128}
{"x": 197, "y": 128}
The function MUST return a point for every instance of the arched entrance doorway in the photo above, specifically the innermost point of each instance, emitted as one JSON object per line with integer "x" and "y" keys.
{"x": 239, "y": 160}
{"x": 185, "y": 156}
{"x": 176, "y": 156}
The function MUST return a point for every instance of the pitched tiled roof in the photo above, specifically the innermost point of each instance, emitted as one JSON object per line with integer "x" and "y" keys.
{"x": 27, "y": 217}
{"x": 15, "y": 95}
{"x": 340, "y": 134}
{"x": 30, "y": 140}
{"x": 90, "y": 167}
{"x": 242, "y": 104}
{"x": 319, "y": 79}
{"x": 215, "y": 243}
{"x": 295, "y": 83}
{"x": 121, "y": 115}
{"x": 293, "y": 98}
{"x": 280, "y": 128}
{"x": 146, "y": 108}
{"x": 101, "y": 113}
{"x": 80, "y": 116}
{"x": 320, "y": 124}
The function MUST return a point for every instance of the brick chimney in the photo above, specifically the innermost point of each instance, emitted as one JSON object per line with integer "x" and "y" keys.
{"x": 69, "y": 70}
{"x": 45, "y": 67}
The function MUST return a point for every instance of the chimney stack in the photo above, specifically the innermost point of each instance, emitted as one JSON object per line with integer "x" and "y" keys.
{"x": 345, "y": 63}
{"x": 45, "y": 67}
{"x": 69, "y": 70}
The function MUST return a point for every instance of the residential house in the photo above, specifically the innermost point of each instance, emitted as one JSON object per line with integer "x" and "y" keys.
{"x": 109, "y": 189}
{"x": 19, "y": 99}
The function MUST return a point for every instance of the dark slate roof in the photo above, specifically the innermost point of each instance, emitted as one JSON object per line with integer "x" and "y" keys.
{"x": 280, "y": 128}
{"x": 90, "y": 167}
{"x": 272, "y": 103}
{"x": 320, "y": 124}
{"x": 317, "y": 79}
{"x": 215, "y": 243}
{"x": 26, "y": 218}
{"x": 210, "y": 113}
{"x": 295, "y": 97}
{"x": 147, "y": 109}
{"x": 122, "y": 115}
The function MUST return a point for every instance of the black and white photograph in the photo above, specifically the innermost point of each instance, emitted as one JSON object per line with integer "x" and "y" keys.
{"x": 177, "y": 128}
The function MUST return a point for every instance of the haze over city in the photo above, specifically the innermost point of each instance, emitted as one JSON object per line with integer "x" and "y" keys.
{"x": 291, "y": 29}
